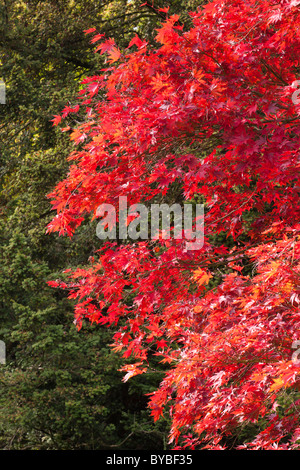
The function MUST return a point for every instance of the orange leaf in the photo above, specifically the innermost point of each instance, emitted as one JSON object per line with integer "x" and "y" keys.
{"x": 114, "y": 55}
{"x": 278, "y": 383}
{"x": 201, "y": 277}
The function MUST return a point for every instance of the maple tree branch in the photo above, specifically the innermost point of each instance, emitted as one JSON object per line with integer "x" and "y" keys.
{"x": 248, "y": 32}
{"x": 116, "y": 28}
{"x": 274, "y": 72}
{"x": 155, "y": 10}
{"x": 234, "y": 210}
{"x": 77, "y": 62}
{"x": 122, "y": 442}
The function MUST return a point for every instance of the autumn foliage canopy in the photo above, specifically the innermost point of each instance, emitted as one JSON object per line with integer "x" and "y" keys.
{"x": 207, "y": 115}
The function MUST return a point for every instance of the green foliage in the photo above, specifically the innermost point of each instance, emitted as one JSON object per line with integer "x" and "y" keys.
{"x": 60, "y": 389}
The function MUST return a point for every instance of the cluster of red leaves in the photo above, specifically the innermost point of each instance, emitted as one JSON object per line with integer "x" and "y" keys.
{"x": 223, "y": 88}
